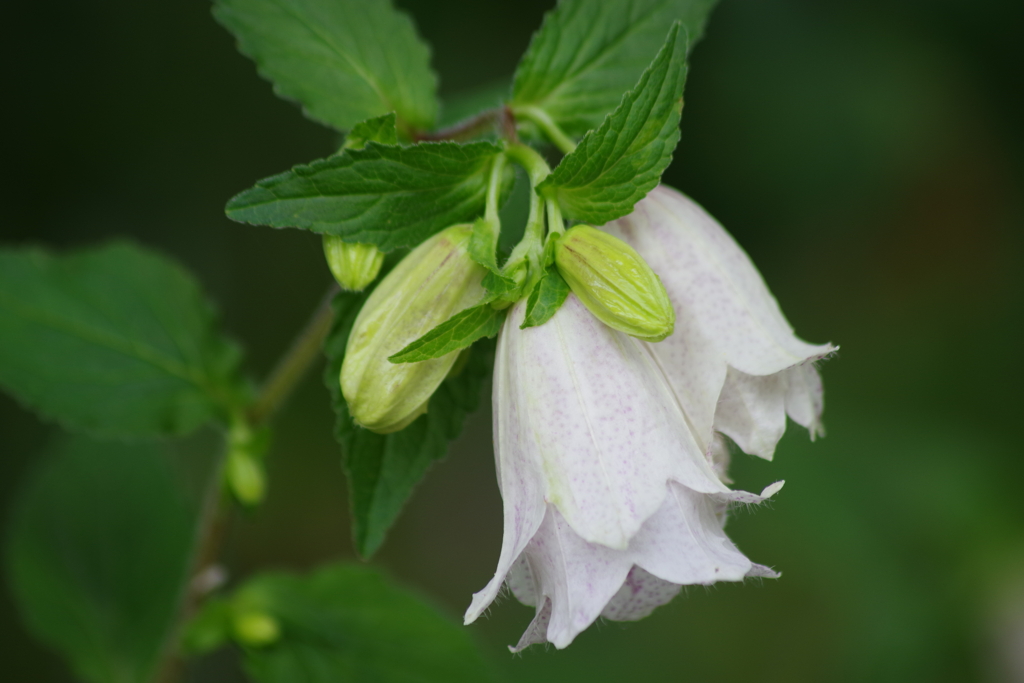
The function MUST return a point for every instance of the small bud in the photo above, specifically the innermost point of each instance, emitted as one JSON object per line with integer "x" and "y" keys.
{"x": 255, "y": 629}
{"x": 245, "y": 477}
{"x": 615, "y": 283}
{"x": 353, "y": 265}
{"x": 434, "y": 281}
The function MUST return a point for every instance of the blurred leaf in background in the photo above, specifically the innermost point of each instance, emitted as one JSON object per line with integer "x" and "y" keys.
{"x": 98, "y": 552}
{"x": 346, "y": 622}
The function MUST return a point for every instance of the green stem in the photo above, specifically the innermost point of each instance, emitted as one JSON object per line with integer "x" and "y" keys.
{"x": 305, "y": 349}
{"x": 494, "y": 190}
{"x": 547, "y": 126}
{"x": 555, "y": 222}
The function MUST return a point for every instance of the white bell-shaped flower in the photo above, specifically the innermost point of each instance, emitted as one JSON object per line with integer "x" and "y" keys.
{"x": 610, "y": 503}
{"x": 734, "y": 363}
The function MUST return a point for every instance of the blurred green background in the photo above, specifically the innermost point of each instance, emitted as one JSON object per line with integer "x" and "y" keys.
{"x": 869, "y": 156}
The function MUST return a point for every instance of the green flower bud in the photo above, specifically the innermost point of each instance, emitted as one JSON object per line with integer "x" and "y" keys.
{"x": 615, "y": 283}
{"x": 255, "y": 629}
{"x": 245, "y": 477}
{"x": 434, "y": 281}
{"x": 353, "y": 265}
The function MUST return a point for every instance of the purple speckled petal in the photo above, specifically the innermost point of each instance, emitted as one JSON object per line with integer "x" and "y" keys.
{"x": 641, "y": 594}
{"x": 596, "y": 412}
{"x": 537, "y": 631}
{"x": 574, "y": 582}
{"x": 578, "y": 577}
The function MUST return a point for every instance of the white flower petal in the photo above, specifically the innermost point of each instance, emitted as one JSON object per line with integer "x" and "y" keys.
{"x": 641, "y": 594}
{"x": 708, "y": 274}
{"x": 519, "y": 478}
{"x": 590, "y": 413}
{"x": 573, "y": 582}
{"x": 805, "y": 398}
{"x": 752, "y": 411}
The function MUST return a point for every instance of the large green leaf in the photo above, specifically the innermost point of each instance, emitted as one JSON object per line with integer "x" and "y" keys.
{"x": 343, "y": 60}
{"x": 347, "y": 623}
{"x": 383, "y": 469}
{"x": 390, "y": 196}
{"x": 98, "y": 553}
{"x": 589, "y": 52}
{"x": 114, "y": 340}
{"x": 616, "y": 165}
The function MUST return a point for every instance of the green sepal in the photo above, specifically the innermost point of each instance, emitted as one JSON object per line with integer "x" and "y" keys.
{"x": 459, "y": 331}
{"x": 547, "y": 297}
{"x": 483, "y": 244}
{"x": 616, "y": 165}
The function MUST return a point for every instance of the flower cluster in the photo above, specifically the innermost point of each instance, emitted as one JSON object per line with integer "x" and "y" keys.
{"x": 611, "y": 416}
{"x": 608, "y": 449}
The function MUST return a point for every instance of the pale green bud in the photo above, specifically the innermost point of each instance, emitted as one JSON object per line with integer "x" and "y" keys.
{"x": 353, "y": 265}
{"x": 434, "y": 281}
{"x": 615, "y": 283}
{"x": 245, "y": 477}
{"x": 243, "y": 469}
{"x": 255, "y": 629}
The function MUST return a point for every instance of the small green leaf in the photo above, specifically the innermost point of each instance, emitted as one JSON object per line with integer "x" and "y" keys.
{"x": 616, "y": 165}
{"x": 380, "y": 129}
{"x": 458, "y": 332}
{"x": 347, "y": 623}
{"x": 547, "y": 297}
{"x": 343, "y": 60}
{"x": 383, "y": 469}
{"x": 98, "y": 554}
{"x": 588, "y": 53}
{"x": 483, "y": 244}
{"x": 385, "y": 195}
{"x": 115, "y": 340}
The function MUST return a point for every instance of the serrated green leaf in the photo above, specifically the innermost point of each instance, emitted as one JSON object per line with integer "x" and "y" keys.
{"x": 115, "y": 340}
{"x": 547, "y": 297}
{"x": 616, "y": 165}
{"x": 344, "y": 61}
{"x": 381, "y": 129}
{"x": 383, "y": 469}
{"x": 385, "y": 195}
{"x": 458, "y": 332}
{"x": 98, "y": 554}
{"x": 588, "y": 53}
{"x": 347, "y": 623}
